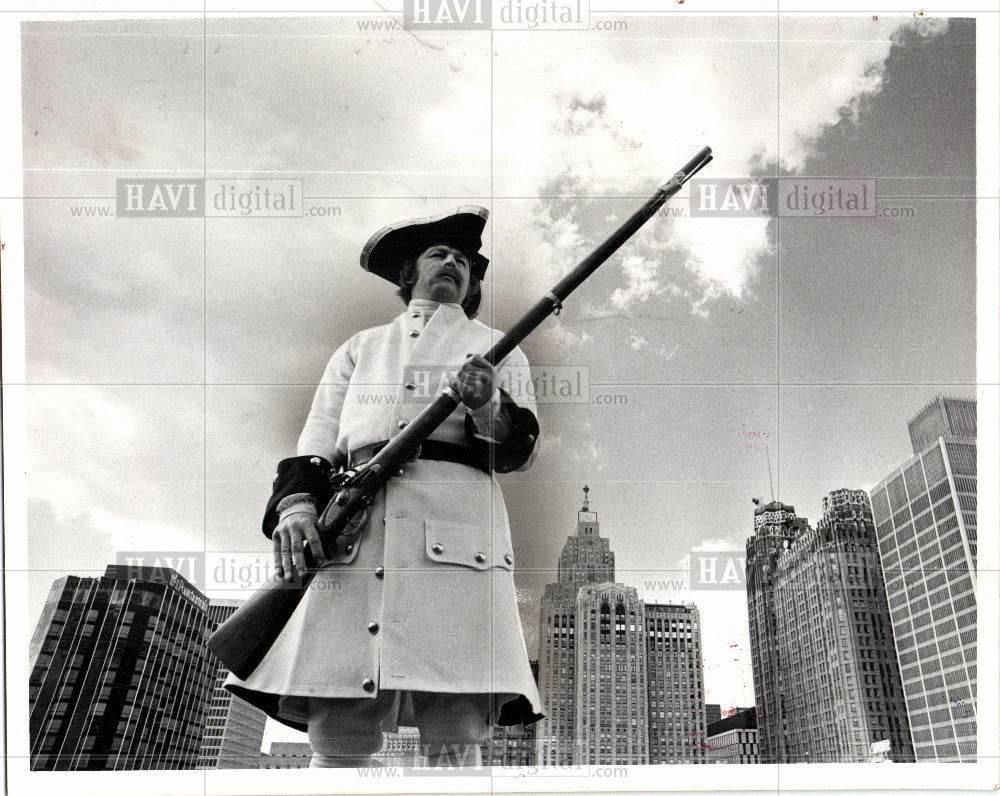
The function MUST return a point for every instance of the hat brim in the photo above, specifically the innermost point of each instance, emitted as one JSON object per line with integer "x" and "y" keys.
{"x": 390, "y": 247}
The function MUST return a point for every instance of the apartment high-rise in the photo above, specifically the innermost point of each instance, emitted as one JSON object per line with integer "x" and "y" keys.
{"x": 615, "y": 674}
{"x": 234, "y": 729}
{"x": 925, "y": 516}
{"x": 119, "y": 673}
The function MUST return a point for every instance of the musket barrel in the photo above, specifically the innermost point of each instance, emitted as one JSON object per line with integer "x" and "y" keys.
{"x": 571, "y": 281}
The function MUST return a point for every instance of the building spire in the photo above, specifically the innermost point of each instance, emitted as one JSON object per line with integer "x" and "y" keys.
{"x": 586, "y": 498}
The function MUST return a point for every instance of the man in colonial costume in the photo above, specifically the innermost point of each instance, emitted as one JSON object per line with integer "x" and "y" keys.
{"x": 415, "y": 621}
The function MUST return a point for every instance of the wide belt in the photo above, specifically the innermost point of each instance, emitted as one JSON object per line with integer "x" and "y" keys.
{"x": 429, "y": 449}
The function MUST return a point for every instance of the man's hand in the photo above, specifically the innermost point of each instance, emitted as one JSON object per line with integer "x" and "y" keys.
{"x": 289, "y": 536}
{"x": 474, "y": 382}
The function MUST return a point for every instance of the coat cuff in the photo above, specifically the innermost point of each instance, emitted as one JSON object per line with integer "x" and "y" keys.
{"x": 515, "y": 450}
{"x": 308, "y": 475}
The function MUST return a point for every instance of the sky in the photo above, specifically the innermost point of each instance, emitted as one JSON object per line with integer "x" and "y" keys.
{"x": 171, "y": 362}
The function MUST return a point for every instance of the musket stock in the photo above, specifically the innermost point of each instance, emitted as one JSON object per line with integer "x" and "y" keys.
{"x": 245, "y": 638}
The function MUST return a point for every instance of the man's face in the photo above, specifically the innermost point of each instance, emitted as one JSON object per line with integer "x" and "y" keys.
{"x": 442, "y": 274}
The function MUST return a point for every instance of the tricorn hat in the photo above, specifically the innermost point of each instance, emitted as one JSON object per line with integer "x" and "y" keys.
{"x": 388, "y": 248}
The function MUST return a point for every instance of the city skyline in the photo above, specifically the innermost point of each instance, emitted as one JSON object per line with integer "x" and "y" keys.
{"x": 644, "y": 587}
{"x": 587, "y": 572}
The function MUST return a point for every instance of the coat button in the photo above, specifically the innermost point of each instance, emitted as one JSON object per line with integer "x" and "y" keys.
{"x": 349, "y": 549}
{"x": 402, "y": 424}
{"x": 368, "y": 685}
{"x": 531, "y": 438}
{"x": 400, "y": 472}
{"x": 315, "y": 460}
{"x": 414, "y": 333}
{"x": 373, "y": 628}
{"x": 437, "y": 549}
{"x": 380, "y": 573}
{"x": 481, "y": 558}
{"x": 509, "y": 558}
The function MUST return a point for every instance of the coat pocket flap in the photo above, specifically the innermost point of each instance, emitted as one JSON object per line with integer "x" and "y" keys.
{"x": 467, "y": 545}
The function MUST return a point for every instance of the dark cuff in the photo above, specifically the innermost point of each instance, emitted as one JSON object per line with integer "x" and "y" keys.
{"x": 515, "y": 450}
{"x": 309, "y": 474}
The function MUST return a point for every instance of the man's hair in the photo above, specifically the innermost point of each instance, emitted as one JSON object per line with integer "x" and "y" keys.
{"x": 408, "y": 278}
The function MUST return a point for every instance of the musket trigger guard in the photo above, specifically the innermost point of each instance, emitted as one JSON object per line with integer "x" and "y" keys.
{"x": 355, "y": 524}
{"x": 557, "y": 304}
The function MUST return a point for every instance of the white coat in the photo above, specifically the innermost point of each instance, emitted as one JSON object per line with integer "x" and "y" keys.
{"x": 425, "y": 599}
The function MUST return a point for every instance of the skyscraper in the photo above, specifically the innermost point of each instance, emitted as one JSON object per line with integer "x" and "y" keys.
{"x": 775, "y": 525}
{"x": 586, "y": 558}
{"x": 925, "y": 516}
{"x": 942, "y": 417}
{"x": 675, "y": 684}
{"x": 119, "y": 673}
{"x": 615, "y": 674}
{"x": 611, "y": 717}
{"x": 839, "y": 679}
{"x": 234, "y": 728}
{"x": 825, "y": 671}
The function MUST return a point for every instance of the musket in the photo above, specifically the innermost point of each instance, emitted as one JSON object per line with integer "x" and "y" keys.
{"x": 243, "y": 640}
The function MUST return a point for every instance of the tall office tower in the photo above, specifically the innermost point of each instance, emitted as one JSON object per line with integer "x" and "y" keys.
{"x": 119, "y": 673}
{"x": 925, "y": 516}
{"x": 676, "y": 689}
{"x": 942, "y": 417}
{"x": 838, "y": 679}
{"x": 775, "y": 525}
{"x": 613, "y": 672}
{"x": 713, "y": 712}
{"x": 586, "y": 558}
{"x": 234, "y": 729}
{"x": 612, "y": 720}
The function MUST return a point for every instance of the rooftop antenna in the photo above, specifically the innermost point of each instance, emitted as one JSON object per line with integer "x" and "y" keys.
{"x": 770, "y": 478}
{"x": 586, "y": 498}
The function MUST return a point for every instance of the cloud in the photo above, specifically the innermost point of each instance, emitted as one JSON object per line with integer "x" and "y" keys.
{"x": 717, "y": 543}
{"x": 642, "y": 281}
{"x": 648, "y": 107}
{"x": 126, "y": 462}
{"x": 132, "y": 533}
